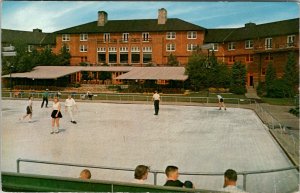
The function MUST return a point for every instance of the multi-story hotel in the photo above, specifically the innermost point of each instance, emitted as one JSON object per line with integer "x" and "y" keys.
{"x": 149, "y": 42}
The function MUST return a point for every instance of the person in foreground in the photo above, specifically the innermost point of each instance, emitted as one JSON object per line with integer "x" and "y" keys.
{"x": 85, "y": 174}
{"x": 56, "y": 115}
{"x": 230, "y": 178}
{"x": 172, "y": 178}
{"x": 141, "y": 174}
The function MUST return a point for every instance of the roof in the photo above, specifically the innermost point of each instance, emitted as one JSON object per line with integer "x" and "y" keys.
{"x": 35, "y": 37}
{"x": 150, "y": 73}
{"x": 138, "y": 25}
{"x": 155, "y": 73}
{"x": 253, "y": 31}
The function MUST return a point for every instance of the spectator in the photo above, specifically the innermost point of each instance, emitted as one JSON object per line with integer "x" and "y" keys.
{"x": 141, "y": 174}
{"x": 172, "y": 177}
{"x": 89, "y": 95}
{"x": 188, "y": 184}
{"x": 230, "y": 178}
{"x": 45, "y": 98}
{"x": 85, "y": 174}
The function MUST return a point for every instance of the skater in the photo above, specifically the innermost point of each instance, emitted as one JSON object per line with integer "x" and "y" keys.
{"x": 156, "y": 99}
{"x": 221, "y": 102}
{"x": 69, "y": 106}
{"x": 56, "y": 115}
{"x": 45, "y": 98}
{"x": 28, "y": 110}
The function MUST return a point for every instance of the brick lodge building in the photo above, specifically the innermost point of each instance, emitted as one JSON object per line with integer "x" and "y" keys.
{"x": 137, "y": 45}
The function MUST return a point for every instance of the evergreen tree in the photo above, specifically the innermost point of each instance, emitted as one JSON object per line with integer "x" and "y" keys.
{"x": 291, "y": 73}
{"x": 172, "y": 60}
{"x": 238, "y": 78}
{"x": 270, "y": 78}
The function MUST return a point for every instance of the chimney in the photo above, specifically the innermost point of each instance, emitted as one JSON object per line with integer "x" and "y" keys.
{"x": 162, "y": 16}
{"x": 102, "y": 18}
{"x": 37, "y": 30}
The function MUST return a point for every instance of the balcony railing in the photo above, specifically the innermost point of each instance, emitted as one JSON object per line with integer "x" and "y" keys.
{"x": 275, "y": 47}
{"x": 129, "y": 40}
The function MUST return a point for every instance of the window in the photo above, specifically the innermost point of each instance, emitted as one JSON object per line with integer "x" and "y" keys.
{"x": 263, "y": 71}
{"x": 135, "y": 49}
{"x": 268, "y": 57}
{"x": 268, "y": 43}
{"x": 112, "y": 49}
{"x": 124, "y": 57}
{"x": 215, "y": 47}
{"x": 231, "y": 46}
{"x": 170, "y": 47}
{"x": 66, "y": 37}
{"x": 83, "y": 37}
{"x": 249, "y": 58}
{"x": 102, "y": 49}
{"x": 145, "y": 36}
{"x": 291, "y": 41}
{"x": 192, "y": 35}
{"x": 84, "y": 59}
{"x": 101, "y": 57}
{"x": 106, "y": 37}
{"x": 135, "y": 57}
{"x": 231, "y": 59}
{"x": 125, "y": 37}
{"x": 147, "y": 49}
{"x": 123, "y": 49}
{"x": 249, "y": 44}
{"x": 30, "y": 47}
{"x": 171, "y": 35}
{"x": 191, "y": 47}
{"x": 147, "y": 57}
{"x": 112, "y": 57}
{"x": 67, "y": 47}
{"x": 83, "y": 48}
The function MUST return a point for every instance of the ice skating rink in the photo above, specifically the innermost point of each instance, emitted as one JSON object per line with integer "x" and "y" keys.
{"x": 194, "y": 138}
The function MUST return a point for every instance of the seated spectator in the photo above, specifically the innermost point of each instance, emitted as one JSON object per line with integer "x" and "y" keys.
{"x": 85, "y": 174}
{"x": 230, "y": 178}
{"x": 188, "y": 184}
{"x": 89, "y": 95}
{"x": 172, "y": 177}
{"x": 141, "y": 174}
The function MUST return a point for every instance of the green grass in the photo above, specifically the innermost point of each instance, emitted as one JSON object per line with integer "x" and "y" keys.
{"x": 279, "y": 101}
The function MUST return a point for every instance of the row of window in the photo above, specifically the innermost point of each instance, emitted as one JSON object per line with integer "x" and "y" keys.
{"x": 124, "y": 58}
{"x": 125, "y": 36}
{"x": 249, "y": 43}
{"x": 169, "y": 47}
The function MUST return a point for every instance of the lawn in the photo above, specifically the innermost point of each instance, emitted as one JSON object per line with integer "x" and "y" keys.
{"x": 279, "y": 101}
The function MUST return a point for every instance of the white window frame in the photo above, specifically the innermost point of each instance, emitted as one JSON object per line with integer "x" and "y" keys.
{"x": 215, "y": 47}
{"x": 66, "y": 37}
{"x": 145, "y": 36}
{"x": 83, "y": 48}
{"x": 249, "y": 44}
{"x": 171, "y": 35}
{"x": 106, "y": 37}
{"x": 135, "y": 49}
{"x": 123, "y": 49}
{"x": 83, "y": 37}
{"x": 268, "y": 43}
{"x": 171, "y": 47}
{"x": 101, "y": 49}
{"x": 289, "y": 42}
{"x": 191, "y": 47}
{"x": 192, "y": 35}
{"x": 231, "y": 46}
{"x": 147, "y": 49}
{"x": 125, "y": 37}
{"x": 112, "y": 49}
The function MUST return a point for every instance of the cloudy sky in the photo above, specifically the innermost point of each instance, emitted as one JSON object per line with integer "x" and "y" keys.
{"x": 56, "y": 15}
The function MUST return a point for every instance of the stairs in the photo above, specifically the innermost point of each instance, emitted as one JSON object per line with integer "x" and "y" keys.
{"x": 251, "y": 93}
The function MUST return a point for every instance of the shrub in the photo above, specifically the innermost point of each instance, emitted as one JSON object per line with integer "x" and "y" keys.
{"x": 279, "y": 89}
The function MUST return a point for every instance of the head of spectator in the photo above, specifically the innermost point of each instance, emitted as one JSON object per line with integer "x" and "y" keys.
{"x": 230, "y": 178}
{"x": 85, "y": 174}
{"x": 188, "y": 184}
{"x": 172, "y": 173}
{"x": 69, "y": 96}
{"x": 141, "y": 172}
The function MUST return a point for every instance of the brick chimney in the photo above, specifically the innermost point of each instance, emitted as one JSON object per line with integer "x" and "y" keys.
{"x": 102, "y": 18}
{"x": 162, "y": 16}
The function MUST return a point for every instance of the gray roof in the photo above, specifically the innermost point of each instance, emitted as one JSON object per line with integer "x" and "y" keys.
{"x": 155, "y": 73}
{"x": 136, "y": 25}
{"x": 253, "y": 31}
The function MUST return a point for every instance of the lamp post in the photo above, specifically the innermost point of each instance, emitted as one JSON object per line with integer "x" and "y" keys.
{"x": 10, "y": 71}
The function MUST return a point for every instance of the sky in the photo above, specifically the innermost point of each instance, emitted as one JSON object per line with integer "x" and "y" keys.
{"x": 51, "y": 16}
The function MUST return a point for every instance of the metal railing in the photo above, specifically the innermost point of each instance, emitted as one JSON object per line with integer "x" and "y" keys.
{"x": 156, "y": 172}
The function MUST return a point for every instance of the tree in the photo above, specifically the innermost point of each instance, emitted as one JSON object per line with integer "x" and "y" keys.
{"x": 270, "y": 77}
{"x": 291, "y": 73}
{"x": 238, "y": 78}
{"x": 63, "y": 58}
{"x": 172, "y": 60}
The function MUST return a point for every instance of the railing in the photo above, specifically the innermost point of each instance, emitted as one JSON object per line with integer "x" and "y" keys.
{"x": 156, "y": 172}
{"x": 263, "y": 47}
